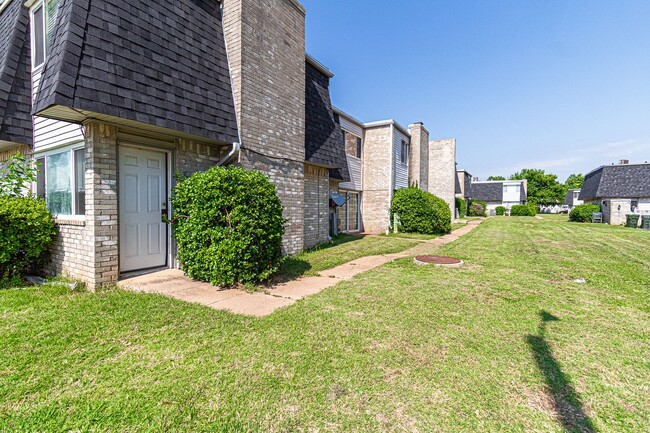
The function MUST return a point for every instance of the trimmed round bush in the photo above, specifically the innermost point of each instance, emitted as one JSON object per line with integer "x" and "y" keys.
{"x": 477, "y": 208}
{"x": 583, "y": 213}
{"x": 26, "y": 232}
{"x": 521, "y": 210}
{"x": 501, "y": 210}
{"x": 461, "y": 206}
{"x": 420, "y": 212}
{"x": 228, "y": 226}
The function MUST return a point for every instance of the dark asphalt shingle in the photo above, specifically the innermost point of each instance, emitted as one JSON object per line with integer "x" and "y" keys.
{"x": 162, "y": 63}
{"x": 15, "y": 75}
{"x": 617, "y": 181}
{"x": 487, "y": 191}
{"x": 324, "y": 143}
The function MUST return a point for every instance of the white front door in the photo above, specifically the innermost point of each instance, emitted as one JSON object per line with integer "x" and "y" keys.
{"x": 142, "y": 195}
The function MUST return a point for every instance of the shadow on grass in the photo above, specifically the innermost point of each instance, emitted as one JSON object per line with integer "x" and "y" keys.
{"x": 566, "y": 401}
{"x": 294, "y": 267}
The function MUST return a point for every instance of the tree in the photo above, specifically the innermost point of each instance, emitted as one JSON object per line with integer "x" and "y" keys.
{"x": 543, "y": 188}
{"x": 17, "y": 178}
{"x": 496, "y": 178}
{"x": 575, "y": 181}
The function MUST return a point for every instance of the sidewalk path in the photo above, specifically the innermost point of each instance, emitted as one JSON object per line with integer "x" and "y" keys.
{"x": 174, "y": 283}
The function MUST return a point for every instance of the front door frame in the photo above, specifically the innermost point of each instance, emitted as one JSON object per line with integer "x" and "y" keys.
{"x": 169, "y": 156}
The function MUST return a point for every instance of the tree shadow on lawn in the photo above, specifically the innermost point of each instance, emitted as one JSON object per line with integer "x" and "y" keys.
{"x": 294, "y": 267}
{"x": 566, "y": 401}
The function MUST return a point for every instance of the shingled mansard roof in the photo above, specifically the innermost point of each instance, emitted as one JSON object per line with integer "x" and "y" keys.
{"x": 324, "y": 143}
{"x": 487, "y": 191}
{"x": 459, "y": 190}
{"x": 160, "y": 63}
{"x": 617, "y": 181}
{"x": 15, "y": 75}
{"x": 568, "y": 201}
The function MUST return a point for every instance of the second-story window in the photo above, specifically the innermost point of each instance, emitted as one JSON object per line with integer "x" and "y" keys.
{"x": 44, "y": 15}
{"x": 405, "y": 153}
{"x": 359, "y": 147}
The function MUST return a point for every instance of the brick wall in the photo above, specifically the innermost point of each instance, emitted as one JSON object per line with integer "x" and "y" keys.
{"x": 612, "y": 214}
{"x": 70, "y": 251}
{"x": 266, "y": 48}
{"x": 317, "y": 191}
{"x": 192, "y": 156}
{"x": 442, "y": 171}
{"x": 377, "y": 179}
{"x": 419, "y": 158}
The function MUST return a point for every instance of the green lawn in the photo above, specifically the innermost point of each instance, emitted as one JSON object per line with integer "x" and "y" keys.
{"x": 417, "y": 236}
{"x": 508, "y": 343}
{"x": 342, "y": 249}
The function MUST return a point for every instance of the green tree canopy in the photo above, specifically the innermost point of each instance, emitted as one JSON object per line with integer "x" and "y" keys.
{"x": 575, "y": 181}
{"x": 496, "y": 178}
{"x": 543, "y": 188}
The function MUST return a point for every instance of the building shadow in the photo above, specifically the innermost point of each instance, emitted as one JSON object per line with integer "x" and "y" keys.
{"x": 566, "y": 401}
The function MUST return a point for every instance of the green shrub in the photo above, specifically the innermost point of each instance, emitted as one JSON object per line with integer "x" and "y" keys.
{"x": 477, "y": 208}
{"x": 26, "y": 232}
{"x": 461, "y": 206}
{"x": 533, "y": 208}
{"x": 17, "y": 176}
{"x": 583, "y": 213}
{"x": 228, "y": 226}
{"x": 522, "y": 210}
{"x": 501, "y": 210}
{"x": 420, "y": 212}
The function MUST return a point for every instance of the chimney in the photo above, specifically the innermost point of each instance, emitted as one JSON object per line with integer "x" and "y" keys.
{"x": 624, "y": 161}
{"x": 419, "y": 156}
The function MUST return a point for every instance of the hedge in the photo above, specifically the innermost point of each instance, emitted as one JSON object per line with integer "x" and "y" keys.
{"x": 501, "y": 210}
{"x": 476, "y": 208}
{"x": 521, "y": 210}
{"x": 583, "y": 213}
{"x": 228, "y": 226}
{"x": 461, "y": 206}
{"x": 26, "y": 232}
{"x": 420, "y": 212}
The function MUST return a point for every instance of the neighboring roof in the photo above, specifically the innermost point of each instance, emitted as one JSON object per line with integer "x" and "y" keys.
{"x": 352, "y": 119}
{"x": 568, "y": 201}
{"x": 156, "y": 63}
{"x": 617, "y": 181}
{"x": 318, "y": 65}
{"x": 459, "y": 189}
{"x": 15, "y": 75}
{"x": 324, "y": 143}
{"x": 487, "y": 191}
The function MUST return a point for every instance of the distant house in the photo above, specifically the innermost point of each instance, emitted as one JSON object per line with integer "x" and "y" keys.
{"x": 506, "y": 193}
{"x": 620, "y": 190}
{"x": 572, "y": 200}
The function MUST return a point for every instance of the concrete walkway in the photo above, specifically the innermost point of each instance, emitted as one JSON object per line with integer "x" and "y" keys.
{"x": 174, "y": 283}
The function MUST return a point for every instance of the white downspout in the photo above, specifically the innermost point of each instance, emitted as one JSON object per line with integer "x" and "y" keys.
{"x": 236, "y": 147}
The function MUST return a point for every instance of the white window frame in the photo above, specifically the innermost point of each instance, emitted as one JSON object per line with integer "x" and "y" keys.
{"x": 71, "y": 148}
{"x": 4, "y": 4}
{"x": 34, "y": 5}
{"x": 405, "y": 153}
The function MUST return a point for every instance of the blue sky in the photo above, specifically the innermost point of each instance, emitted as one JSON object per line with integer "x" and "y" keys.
{"x": 561, "y": 85}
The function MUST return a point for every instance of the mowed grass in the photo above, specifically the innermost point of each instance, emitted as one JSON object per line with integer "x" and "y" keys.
{"x": 342, "y": 249}
{"x": 509, "y": 343}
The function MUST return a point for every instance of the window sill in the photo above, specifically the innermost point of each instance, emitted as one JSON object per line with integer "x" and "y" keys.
{"x": 72, "y": 220}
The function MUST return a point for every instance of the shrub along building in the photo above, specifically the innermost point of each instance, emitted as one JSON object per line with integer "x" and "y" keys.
{"x": 495, "y": 193}
{"x": 619, "y": 190}
{"x": 115, "y": 97}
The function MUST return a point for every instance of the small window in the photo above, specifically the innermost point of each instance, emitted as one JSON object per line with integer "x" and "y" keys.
{"x": 405, "y": 153}
{"x": 61, "y": 182}
{"x": 43, "y": 29}
{"x": 39, "y": 36}
{"x": 359, "y": 147}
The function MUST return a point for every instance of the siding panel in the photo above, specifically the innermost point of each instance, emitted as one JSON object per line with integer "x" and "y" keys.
{"x": 355, "y": 168}
{"x": 50, "y": 133}
{"x": 401, "y": 170}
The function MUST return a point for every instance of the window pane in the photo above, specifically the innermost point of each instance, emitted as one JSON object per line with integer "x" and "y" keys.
{"x": 353, "y": 212}
{"x": 359, "y": 145}
{"x": 51, "y": 12}
{"x": 39, "y": 49}
{"x": 341, "y": 212}
{"x": 58, "y": 192}
{"x": 80, "y": 190}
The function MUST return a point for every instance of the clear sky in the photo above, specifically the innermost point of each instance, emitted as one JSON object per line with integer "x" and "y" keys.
{"x": 562, "y": 85}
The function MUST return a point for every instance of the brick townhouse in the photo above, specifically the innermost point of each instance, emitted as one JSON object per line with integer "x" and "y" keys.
{"x": 114, "y": 97}
{"x": 383, "y": 157}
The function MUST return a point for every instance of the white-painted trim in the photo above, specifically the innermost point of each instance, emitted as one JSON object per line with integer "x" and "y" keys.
{"x": 348, "y": 117}
{"x": 4, "y": 4}
{"x": 319, "y": 66}
{"x": 388, "y": 122}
